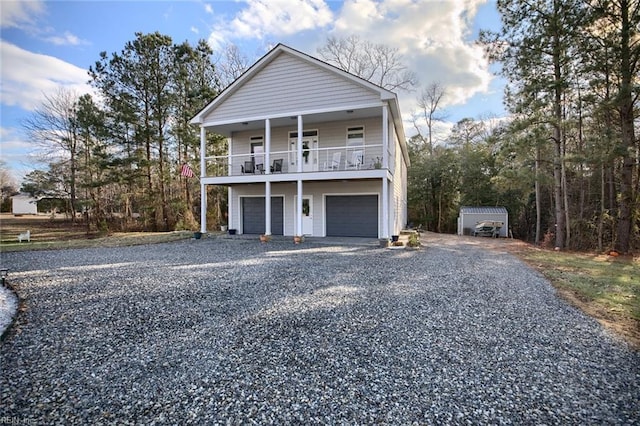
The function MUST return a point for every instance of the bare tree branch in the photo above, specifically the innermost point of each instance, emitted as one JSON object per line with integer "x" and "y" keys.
{"x": 377, "y": 63}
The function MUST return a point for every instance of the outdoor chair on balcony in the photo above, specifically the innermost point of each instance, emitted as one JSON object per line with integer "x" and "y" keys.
{"x": 357, "y": 158}
{"x": 260, "y": 168}
{"x": 334, "y": 164}
{"x": 248, "y": 167}
{"x": 277, "y": 166}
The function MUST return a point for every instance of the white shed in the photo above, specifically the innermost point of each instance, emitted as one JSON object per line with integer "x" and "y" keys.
{"x": 24, "y": 204}
{"x": 470, "y": 216}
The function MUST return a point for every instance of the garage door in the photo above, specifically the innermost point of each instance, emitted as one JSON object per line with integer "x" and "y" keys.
{"x": 253, "y": 215}
{"x": 352, "y": 216}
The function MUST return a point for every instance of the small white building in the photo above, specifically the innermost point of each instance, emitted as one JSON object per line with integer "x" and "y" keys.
{"x": 470, "y": 216}
{"x": 24, "y": 204}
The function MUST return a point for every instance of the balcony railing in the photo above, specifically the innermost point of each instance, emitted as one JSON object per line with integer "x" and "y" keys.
{"x": 350, "y": 158}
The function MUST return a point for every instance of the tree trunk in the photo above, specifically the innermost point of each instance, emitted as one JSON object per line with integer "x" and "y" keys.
{"x": 625, "y": 109}
{"x": 537, "y": 189}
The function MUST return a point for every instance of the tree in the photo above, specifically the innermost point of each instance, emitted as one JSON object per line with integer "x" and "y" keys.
{"x": 430, "y": 104}
{"x": 53, "y": 126}
{"x": 476, "y": 164}
{"x": 139, "y": 81}
{"x": 616, "y": 30}
{"x": 7, "y": 187}
{"x": 196, "y": 83}
{"x": 377, "y": 63}
{"x": 231, "y": 64}
{"x": 536, "y": 49}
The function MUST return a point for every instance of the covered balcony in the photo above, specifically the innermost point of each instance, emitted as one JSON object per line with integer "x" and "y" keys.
{"x": 345, "y": 144}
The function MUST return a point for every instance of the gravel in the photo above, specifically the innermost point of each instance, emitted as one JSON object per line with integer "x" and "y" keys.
{"x": 222, "y": 331}
{"x": 8, "y": 308}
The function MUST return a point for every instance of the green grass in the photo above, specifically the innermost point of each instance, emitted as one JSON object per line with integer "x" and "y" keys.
{"x": 613, "y": 282}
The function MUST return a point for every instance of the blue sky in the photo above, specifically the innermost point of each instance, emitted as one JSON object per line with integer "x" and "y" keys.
{"x": 48, "y": 44}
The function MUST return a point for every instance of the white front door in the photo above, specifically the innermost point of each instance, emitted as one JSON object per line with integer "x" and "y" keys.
{"x": 309, "y": 154}
{"x": 307, "y": 215}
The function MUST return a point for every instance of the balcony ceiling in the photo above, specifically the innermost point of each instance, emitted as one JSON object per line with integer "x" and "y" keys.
{"x": 291, "y": 121}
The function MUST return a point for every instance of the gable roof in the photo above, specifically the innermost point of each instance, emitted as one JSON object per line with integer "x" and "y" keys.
{"x": 381, "y": 93}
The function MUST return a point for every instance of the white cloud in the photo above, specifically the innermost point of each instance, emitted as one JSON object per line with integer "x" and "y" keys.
{"x": 20, "y": 14}
{"x": 19, "y": 155}
{"x": 272, "y": 18}
{"x": 433, "y": 37}
{"x": 66, "y": 39}
{"x": 208, "y": 8}
{"x": 27, "y": 76}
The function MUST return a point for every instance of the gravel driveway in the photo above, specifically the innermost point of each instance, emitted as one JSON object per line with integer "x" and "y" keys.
{"x": 236, "y": 332}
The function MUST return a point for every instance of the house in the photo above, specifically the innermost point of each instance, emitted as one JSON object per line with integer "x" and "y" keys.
{"x": 325, "y": 148}
{"x": 470, "y": 216}
{"x": 24, "y": 204}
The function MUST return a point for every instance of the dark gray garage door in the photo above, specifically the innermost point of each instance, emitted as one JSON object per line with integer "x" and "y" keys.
{"x": 352, "y": 216}
{"x": 253, "y": 215}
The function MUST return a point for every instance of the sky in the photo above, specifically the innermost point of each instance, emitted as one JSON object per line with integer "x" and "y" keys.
{"x": 48, "y": 44}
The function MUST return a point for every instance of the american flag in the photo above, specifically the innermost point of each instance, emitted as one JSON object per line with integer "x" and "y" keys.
{"x": 187, "y": 171}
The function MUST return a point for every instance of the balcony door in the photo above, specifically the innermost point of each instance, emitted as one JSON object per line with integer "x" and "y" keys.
{"x": 309, "y": 150}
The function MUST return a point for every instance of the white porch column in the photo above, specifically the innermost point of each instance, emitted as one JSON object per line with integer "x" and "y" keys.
{"x": 267, "y": 208}
{"x": 299, "y": 209}
{"x": 267, "y": 146}
{"x": 230, "y": 210}
{"x": 385, "y": 208}
{"x": 299, "y": 161}
{"x": 299, "y": 145}
{"x": 385, "y": 136}
{"x": 203, "y": 173}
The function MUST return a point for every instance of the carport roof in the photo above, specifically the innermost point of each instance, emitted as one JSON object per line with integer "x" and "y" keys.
{"x": 483, "y": 210}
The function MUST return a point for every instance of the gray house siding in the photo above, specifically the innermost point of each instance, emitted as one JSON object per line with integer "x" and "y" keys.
{"x": 290, "y": 84}
{"x": 319, "y": 191}
{"x": 331, "y": 134}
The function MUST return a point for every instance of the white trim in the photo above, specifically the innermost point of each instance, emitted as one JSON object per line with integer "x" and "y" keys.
{"x": 290, "y": 114}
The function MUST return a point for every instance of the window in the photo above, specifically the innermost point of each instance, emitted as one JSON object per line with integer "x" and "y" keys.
{"x": 355, "y": 136}
{"x": 255, "y": 142}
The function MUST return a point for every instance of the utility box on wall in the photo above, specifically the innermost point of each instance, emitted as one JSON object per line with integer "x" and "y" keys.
{"x": 470, "y": 216}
